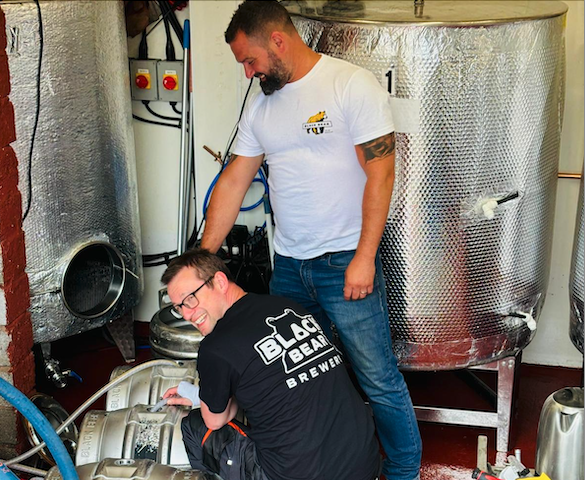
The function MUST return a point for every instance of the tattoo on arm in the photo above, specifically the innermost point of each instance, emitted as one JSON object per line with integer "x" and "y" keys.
{"x": 379, "y": 147}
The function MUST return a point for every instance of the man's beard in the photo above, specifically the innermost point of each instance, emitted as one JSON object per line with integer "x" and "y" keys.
{"x": 276, "y": 78}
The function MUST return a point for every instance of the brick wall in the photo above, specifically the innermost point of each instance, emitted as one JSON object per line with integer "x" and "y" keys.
{"x": 16, "y": 358}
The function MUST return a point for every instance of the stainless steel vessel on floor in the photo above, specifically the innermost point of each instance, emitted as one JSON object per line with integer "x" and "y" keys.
{"x": 477, "y": 91}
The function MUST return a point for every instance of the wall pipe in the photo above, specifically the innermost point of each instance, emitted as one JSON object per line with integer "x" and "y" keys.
{"x": 576, "y": 176}
{"x": 40, "y": 423}
{"x": 184, "y": 158}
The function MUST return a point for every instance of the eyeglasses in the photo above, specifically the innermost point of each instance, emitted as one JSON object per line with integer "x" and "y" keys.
{"x": 190, "y": 301}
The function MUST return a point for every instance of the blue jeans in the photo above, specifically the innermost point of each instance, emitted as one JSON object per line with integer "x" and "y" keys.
{"x": 364, "y": 331}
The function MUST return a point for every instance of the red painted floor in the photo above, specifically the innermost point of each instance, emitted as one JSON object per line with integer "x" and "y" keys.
{"x": 449, "y": 452}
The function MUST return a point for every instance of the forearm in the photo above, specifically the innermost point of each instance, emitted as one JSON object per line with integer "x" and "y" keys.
{"x": 215, "y": 421}
{"x": 227, "y": 199}
{"x": 221, "y": 215}
{"x": 376, "y": 202}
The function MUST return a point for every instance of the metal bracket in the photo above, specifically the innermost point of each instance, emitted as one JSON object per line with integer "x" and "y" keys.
{"x": 500, "y": 420}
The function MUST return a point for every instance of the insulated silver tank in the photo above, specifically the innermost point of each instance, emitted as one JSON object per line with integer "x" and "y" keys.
{"x": 576, "y": 284}
{"x": 477, "y": 93}
{"x": 82, "y": 230}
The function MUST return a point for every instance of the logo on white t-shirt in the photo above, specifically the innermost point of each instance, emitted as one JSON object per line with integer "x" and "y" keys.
{"x": 296, "y": 340}
{"x": 318, "y": 124}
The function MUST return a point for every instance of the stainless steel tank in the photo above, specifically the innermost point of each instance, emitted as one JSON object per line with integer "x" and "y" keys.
{"x": 576, "y": 284}
{"x": 121, "y": 468}
{"x": 148, "y": 386}
{"x": 82, "y": 230}
{"x": 133, "y": 433}
{"x": 477, "y": 94}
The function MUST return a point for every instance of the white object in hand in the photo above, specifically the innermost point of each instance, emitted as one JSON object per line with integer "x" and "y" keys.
{"x": 159, "y": 405}
{"x": 190, "y": 391}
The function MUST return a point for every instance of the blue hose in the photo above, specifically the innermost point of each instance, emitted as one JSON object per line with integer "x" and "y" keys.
{"x": 6, "y": 473}
{"x": 43, "y": 428}
{"x": 262, "y": 180}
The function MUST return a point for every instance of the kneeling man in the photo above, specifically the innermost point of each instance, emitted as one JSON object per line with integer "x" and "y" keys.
{"x": 268, "y": 356}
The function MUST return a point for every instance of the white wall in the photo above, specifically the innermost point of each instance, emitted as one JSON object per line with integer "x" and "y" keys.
{"x": 218, "y": 92}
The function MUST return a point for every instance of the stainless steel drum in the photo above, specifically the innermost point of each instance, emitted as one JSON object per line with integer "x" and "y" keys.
{"x": 82, "y": 230}
{"x": 133, "y": 433}
{"x": 576, "y": 284}
{"x": 172, "y": 337}
{"x": 477, "y": 94}
{"x": 119, "y": 469}
{"x": 559, "y": 445}
{"x": 148, "y": 386}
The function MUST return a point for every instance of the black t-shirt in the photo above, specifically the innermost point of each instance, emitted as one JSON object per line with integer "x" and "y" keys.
{"x": 307, "y": 420}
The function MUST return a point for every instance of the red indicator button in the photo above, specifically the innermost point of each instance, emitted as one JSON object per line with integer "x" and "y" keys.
{"x": 142, "y": 81}
{"x": 169, "y": 82}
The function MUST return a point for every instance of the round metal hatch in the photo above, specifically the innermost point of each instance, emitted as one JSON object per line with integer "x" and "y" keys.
{"x": 93, "y": 280}
{"x": 56, "y": 415}
{"x": 462, "y": 13}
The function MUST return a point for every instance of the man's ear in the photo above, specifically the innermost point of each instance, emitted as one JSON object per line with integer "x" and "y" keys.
{"x": 279, "y": 40}
{"x": 221, "y": 281}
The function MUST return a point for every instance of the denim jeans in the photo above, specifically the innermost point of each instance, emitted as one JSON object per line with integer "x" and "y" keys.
{"x": 364, "y": 331}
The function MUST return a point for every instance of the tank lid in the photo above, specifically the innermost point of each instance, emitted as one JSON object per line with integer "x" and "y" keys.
{"x": 431, "y": 12}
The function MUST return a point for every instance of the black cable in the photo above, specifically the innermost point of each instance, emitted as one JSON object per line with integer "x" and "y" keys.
{"x": 169, "y": 47}
{"x": 158, "y": 115}
{"x": 37, "y": 113}
{"x": 152, "y": 122}
{"x": 227, "y": 150}
{"x": 168, "y": 10}
{"x": 143, "y": 47}
{"x": 174, "y": 107}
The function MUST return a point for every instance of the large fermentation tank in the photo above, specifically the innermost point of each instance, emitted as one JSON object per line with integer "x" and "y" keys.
{"x": 82, "y": 230}
{"x": 477, "y": 95}
{"x": 576, "y": 283}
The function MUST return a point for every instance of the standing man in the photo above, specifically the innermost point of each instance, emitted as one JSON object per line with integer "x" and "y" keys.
{"x": 325, "y": 129}
{"x": 268, "y": 356}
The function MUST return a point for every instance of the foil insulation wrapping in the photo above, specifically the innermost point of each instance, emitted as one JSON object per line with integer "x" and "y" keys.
{"x": 83, "y": 168}
{"x": 576, "y": 285}
{"x": 478, "y": 112}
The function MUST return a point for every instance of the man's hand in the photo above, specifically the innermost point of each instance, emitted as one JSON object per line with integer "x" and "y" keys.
{"x": 359, "y": 278}
{"x": 184, "y": 394}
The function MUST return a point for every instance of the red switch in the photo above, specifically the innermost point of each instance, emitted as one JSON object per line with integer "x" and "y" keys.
{"x": 170, "y": 82}
{"x": 142, "y": 81}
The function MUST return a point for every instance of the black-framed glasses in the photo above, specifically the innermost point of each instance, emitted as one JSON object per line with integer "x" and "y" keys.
{"x": 190, "y": 301}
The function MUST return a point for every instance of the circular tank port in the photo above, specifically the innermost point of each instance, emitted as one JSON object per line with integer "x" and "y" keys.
{"x": 93, "y": 280}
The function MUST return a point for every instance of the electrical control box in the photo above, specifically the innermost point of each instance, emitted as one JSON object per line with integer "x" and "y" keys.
{"x": 143, "y": 79}
{"x": 170, "y": 80}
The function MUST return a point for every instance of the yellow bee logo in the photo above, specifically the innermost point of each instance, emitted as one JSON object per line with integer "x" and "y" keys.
{"x": 316, "y": 123}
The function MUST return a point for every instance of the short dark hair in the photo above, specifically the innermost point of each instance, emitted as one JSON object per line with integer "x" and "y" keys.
{"x": 258, "y": 19}
{"x": 205, "y": 263}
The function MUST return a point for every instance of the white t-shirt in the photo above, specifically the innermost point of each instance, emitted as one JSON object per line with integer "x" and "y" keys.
{"x": 307, "y": 131}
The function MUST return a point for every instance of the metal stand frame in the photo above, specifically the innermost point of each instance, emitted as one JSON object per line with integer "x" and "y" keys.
{"x": 500, "y": 420}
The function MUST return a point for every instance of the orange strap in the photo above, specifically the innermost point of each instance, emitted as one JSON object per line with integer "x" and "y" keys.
{"x": 206, "y": 436}
{"x": 237, "y": 429}
{"x": 231, "y": 424}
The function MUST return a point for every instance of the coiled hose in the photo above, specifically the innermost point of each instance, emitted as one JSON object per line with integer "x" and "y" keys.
{"x": 17, "y": 399}
{"x": 87, "y": 403}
